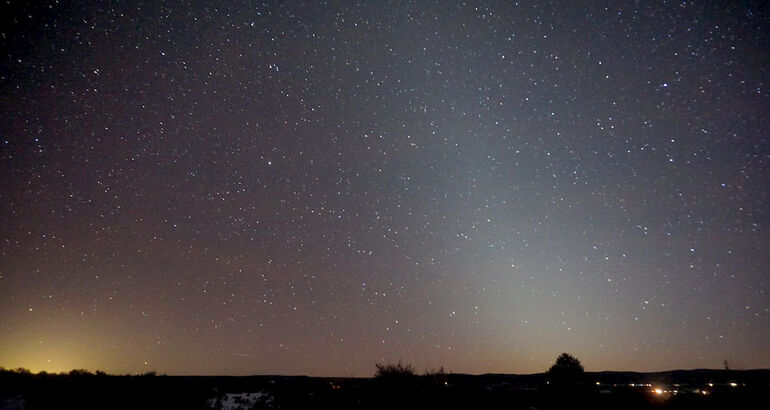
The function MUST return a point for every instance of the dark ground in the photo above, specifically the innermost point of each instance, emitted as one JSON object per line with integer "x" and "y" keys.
{"x": 82, "y": 390}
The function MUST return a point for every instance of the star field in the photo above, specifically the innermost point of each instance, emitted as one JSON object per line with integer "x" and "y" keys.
{"x": 310, "y": 188}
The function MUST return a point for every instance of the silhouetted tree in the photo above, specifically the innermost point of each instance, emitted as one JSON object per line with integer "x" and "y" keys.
{"x": 566, "y": 372}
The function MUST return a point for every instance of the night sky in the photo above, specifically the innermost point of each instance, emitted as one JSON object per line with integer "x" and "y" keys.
{"x": 310, "y": 188}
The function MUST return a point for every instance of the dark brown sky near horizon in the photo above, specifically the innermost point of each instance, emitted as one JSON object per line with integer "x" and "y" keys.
{"x": 310, "y": 188}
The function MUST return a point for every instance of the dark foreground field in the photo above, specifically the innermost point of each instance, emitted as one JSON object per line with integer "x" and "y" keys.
{"x": 693, "y": 389}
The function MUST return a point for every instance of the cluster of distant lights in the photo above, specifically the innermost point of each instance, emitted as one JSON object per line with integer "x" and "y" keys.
{"x": 659, "y": 391}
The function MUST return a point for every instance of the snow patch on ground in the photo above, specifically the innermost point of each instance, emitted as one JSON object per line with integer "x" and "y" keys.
{"x": 239, "y": 401}
{"x": 12, "y": 403}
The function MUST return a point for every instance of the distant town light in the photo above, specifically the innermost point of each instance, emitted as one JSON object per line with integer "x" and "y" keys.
{"x": 733, "y": 384}
{"x": 658, "y": 391}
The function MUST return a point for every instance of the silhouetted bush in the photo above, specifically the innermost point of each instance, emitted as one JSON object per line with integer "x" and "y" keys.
{"x": 436, "y": 378}
{"x": 80, "y": 372}
{"x": 395, "y": 385}
{"x": 435, "y": 373}
{"x": 392, "y": 371}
